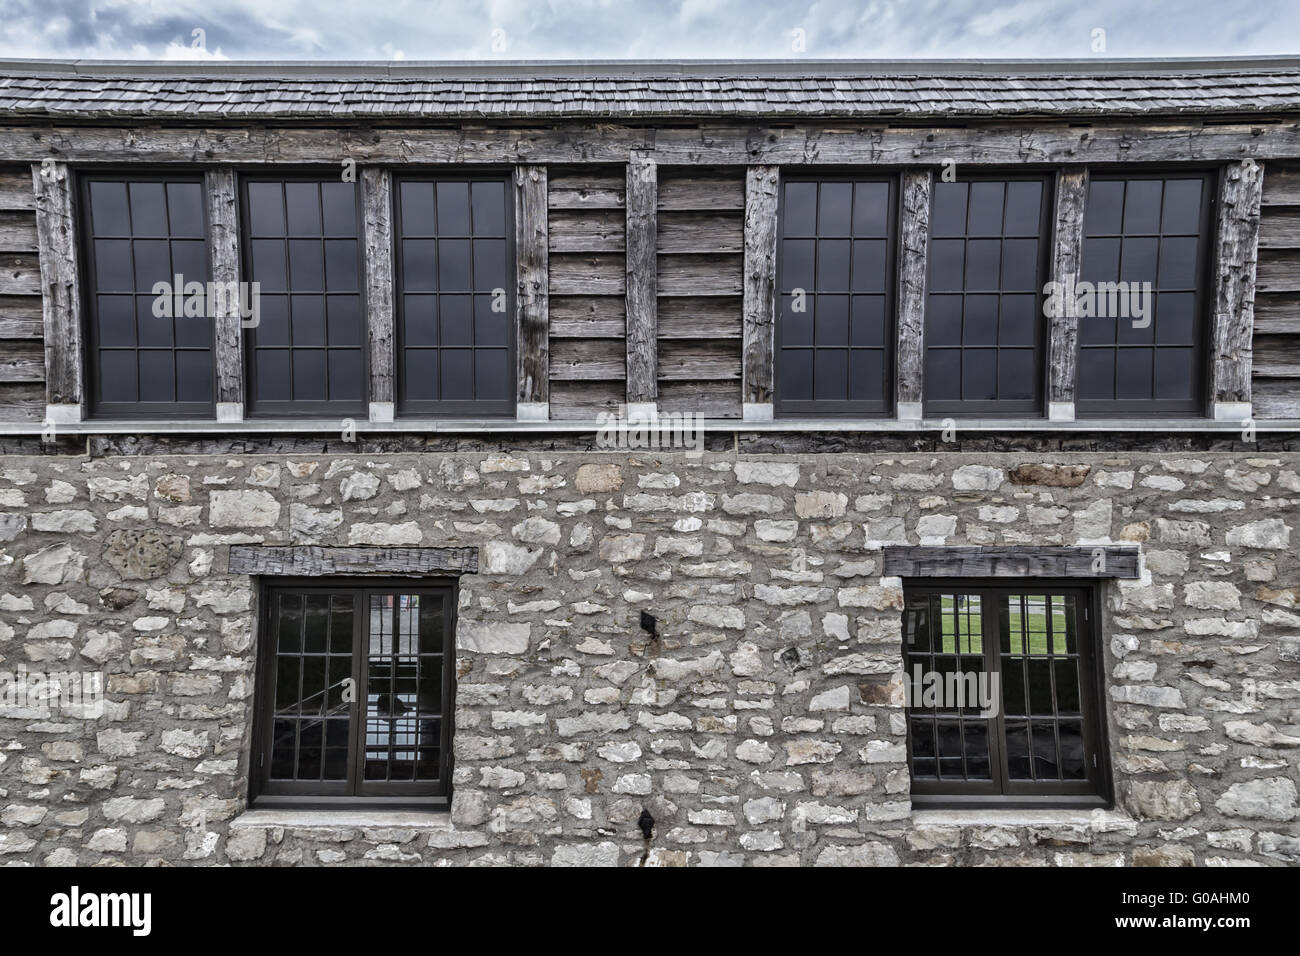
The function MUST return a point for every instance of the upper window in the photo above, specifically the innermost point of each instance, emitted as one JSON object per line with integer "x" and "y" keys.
{"x": 1002, "y": 702}
{"x": 149, "y": 343}
{"x": 455, "y": 329}
{"x": 984, "y": 325}
{"x": 1141, "y": 319}
{"x": 835, "y": 276}
{"x": 355, "y": 687}
{"x": 307, "y": 353}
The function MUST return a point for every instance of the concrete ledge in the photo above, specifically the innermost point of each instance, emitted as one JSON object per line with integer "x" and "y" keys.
{"x": 1099, "y": 820}
{"x": 333, "y": 819}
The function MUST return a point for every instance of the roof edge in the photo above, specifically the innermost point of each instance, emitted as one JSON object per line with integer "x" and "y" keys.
{"x": 497, "y": 69}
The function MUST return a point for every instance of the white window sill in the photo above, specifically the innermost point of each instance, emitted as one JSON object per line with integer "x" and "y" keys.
{"x": 1096, "y": 820}
{"x": 335, "y": 819}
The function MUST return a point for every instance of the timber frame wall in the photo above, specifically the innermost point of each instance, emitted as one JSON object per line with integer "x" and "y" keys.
{"x": 646, "y": 258}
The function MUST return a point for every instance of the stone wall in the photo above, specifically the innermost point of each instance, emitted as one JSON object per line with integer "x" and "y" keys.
{"x": 763, "y": 726}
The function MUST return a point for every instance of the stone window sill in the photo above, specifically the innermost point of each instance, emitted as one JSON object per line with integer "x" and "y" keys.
{"x": 434, "y": 819}
{"x": 1097, "y": 820}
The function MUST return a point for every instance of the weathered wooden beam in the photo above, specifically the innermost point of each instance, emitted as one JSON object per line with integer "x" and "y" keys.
{"x": 642, "y": 283}
{"x": 56, "y": 236}
{"x": 831, "y": 144}
{"x": 762, "y": 193}
{"x": 1067, "y": 259}
{"x": 913, "y": 250}
{"x": 532, "y": 294}
{"x": 1235, "y": 255}
{"x": 223, "y": 262}
{"x": 376, "y": 206}
{"x": 1102, "y": 561}
{"x": 311, "y": 561}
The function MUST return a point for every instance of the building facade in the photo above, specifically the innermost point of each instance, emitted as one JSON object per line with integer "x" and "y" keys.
{"x": 650, "y": 464}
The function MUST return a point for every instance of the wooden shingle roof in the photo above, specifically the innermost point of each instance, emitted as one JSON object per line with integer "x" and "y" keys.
{"x": 718, "y": 90}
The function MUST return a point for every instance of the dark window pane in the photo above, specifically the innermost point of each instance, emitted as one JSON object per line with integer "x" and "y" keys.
{"x": 796, "y": 374}
{"x": 1182, "y": 206}
{"x": 1138, "y": 260}
{"x": 1105, "y": 213}
{"x": 1016, "y": 373}
{"x": 799, "y": 209}
{"x": 108, "y": 209}
{"x": 830, "y": 375}
{"x": 269, "y": 264}
{"x": 1024, "y": 208}
{"x": 868, "y": 320}
{"x": 1178, "y": 263}
{"x": 272, "y": 370}
{"x": 1097, "y": 374}
{"x": 1018, "y": 319}
{"x": 983, "y": 264}
{"x": 488, "y": 207}
{"x": 343, "y": 315}
{"x": 1020, "y": 265}
{"x": 117, "y": 375}
{"x": 1142, "y": 205}
{"x": 116, "y": 321}
{"x": 339, "y": 204}
{"x": 866, "y": 375}
{"x": 308, "y": 319}
{"x": 454, "y": 265}
{"x": 1133, "y": 373}
{"x": 418, "y": 272}
{"x": 949, "y": 215}
{"x": 190, "y": 260}
{"x": 342, "y": 270}
{"x": 491, "y": 326}
{"x": 835, "y": 205}
{"x": 871, "y": 209}
{"x": 985, "y": 215}
{"x": 943, "y": 320}
{"x": 832, "y": 325}
{"x": 113, "y": 271}
{"x": 302, "y": 204}
{"x": 417, "y": 208}
{"x": 1176, "y": 318}
{"x": 980, "y": 323}
{"x": 947, "y": 265}
{"x": 148, "y": 209}
{"x": 456, "y": 323}
{"x": 266, "y": 209}
{"x": 185, "y": 209}
{"x": 420, "y": 374}
{"x": 943, "y": 374}
{"x": 798, "y": 257}
{"x": 273, "y": 320}
{"x": 453, "y": 209}
{"x": 869, "y": 272}
{"x": 420, "y": 319}
{"x": 1174, "y": 371}
{"x": 154, "y": 331}
{"x": 157, "y": 375}
{"x": 833, "y": 265}
{"x": 309, "y": 375}
{"x": 457, "y": 374}
{"x": 797, "y": 322}
{"x": 345, "y": 378}
{"x": 194, "y": 376}
{"x": 1100, "y": 260}
{"x": 492, "y": 374}
{"x": 305, "y": 266}
{"x": 489, "y": 264}
{"x": 152, "y": 263}
{"x": 979, "y": 381}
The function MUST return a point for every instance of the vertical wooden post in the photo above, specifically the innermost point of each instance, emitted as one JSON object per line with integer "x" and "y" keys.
{"x": 532, "y": 303}
{"x": 377, "y": 221}
{"x": 56, "y": 240}
{"x": 223, "y": 264}
{"x": 762, "y": 190}
{"x": 1235, "y": 255}
{"x": 642, "y": 284}
{"x": 1063, "y": 322}
{"x": 913, "y": 246}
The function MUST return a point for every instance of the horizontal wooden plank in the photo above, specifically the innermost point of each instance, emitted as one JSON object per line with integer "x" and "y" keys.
{"x": 701, "y": 191}
{"x": 18, "y": 232}
{"x": 22, "y": 402}
{"x": 587, "y": 274}
{"x": 1281, "y": 185}
{"x": 827, "y": 145}
{"x": 20, "y": 317}
{"x": 710, "y": 399}
{"x": 586, "y": 189}
{"x": 315, "y": 561}
{"x": 588, "y": 316}
{"x": 1278, "y": 271}
{"x": 1271, "y": 350}
{"x": 701, "y": 232}
{"x": 1277, "y": 312}
{"x": 701, "y": 275}
{"x": 20, "y": 274}
{"x": 1275, "y": 397}
{"x": 1279, "y": 228}
{"x": 975, "y": 562}
{"x": 22, "y": 361}
{"x": 586, "y": 360}
{"x": 583, "y": 401}
{"x": 587, "y": 230}
{"x": 1275, "y": 369}
{"x": 16, "y": 190}
{"x": 701, "y": 317}
{"x": 703, "y": 361}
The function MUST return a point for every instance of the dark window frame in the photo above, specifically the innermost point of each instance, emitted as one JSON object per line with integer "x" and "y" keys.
{"x": 504, "y": 408}
{"x": 865, "y": 408}
{"x": 354, "y": 792}
{"x": 1097, "y": 789}
{"x": 998, "y": 408}
{"x": 295, "y": 408}
{"x": 133, "y": 411}
{"x": 1202, "y": 365}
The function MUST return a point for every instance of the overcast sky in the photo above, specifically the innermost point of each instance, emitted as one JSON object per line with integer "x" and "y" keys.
{"x": 560, "y": 29}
